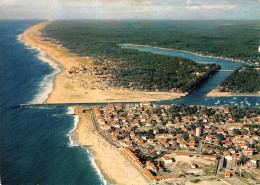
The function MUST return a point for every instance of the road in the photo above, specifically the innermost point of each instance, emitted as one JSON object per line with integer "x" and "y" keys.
{"x": 200, "y": 146}
{"x": 96, "y": 126}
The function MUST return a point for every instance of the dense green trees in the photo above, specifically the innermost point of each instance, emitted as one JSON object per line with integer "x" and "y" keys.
{"x": 233, "y": 39}
{"x": 242, "y": 80}
{"x": 242, "y": 160}
{"x": 241, "y": 112}
{"x": 162, "y": 72}
{"x": 237, "y": 112}
{"x": 185, "y": 109}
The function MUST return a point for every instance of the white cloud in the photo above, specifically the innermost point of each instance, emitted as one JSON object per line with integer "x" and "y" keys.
{"x": 209, "y": 7}
{"x": 141, "y": 9}
{"x": 170, "y": 8}
{"x": 218, "y": 7}
{"x": 193, "y": 7}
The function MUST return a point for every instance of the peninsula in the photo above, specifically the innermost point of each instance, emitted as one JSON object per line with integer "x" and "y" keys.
{"x": 74, "y": 85}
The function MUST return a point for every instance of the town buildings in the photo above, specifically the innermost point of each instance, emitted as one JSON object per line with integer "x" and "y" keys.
{"x": 149, "y": 133}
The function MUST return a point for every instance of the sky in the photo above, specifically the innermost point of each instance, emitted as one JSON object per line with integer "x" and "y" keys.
{"x": 130, "y": 9}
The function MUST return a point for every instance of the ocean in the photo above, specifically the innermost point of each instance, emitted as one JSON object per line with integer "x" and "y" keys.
{"x": 35, "y": 147}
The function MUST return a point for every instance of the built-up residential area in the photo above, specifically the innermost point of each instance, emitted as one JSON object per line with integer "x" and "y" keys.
{"x": 169, "y": 142}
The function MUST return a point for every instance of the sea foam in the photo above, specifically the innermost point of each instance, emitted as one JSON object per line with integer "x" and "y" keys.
{"x": 47, "y": 84}
{"x": 93, "y": 163}
{"x": 73, "y": 141}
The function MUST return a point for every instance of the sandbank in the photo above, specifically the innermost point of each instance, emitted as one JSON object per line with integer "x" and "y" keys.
{"x": 216, "y": 93}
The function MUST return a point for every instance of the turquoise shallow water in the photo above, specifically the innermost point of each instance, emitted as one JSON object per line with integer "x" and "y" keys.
{"x": 34, "y": 145}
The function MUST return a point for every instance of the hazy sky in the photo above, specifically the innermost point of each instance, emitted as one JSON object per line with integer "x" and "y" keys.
{"x": 129, "y": 9}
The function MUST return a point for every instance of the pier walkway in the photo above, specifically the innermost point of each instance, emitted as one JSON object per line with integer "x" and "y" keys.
{"x": 53, "y": 105}
{"x": 77, "y": 111}
{"x": 225, "y": 70}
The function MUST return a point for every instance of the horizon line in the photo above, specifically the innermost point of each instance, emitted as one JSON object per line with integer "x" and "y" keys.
{"x": 134, "y": 19}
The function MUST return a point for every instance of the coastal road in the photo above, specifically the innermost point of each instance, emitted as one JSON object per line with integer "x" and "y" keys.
{"x": 200, "y": 147}
{"x": 96, "y": 126}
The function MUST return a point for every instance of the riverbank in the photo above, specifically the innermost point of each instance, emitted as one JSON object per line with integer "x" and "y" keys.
{"x": 194, "y": 53}
{"x": 216, "y": 93}
{"x": 113, "y": 165}
{"x": 79, "y": 88}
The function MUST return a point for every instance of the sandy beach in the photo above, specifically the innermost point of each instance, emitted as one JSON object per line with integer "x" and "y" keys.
{"x": 115, "y": 167}
{"x": 216, "y": 93}
{"x": 79, "y": 88}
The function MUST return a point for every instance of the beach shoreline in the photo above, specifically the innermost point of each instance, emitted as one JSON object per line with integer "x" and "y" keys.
{"x": 43, "y": 95}
{"x": 75, "y": 135}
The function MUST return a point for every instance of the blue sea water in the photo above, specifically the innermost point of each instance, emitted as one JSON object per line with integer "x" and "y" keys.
{"x": 34, "y": 143}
